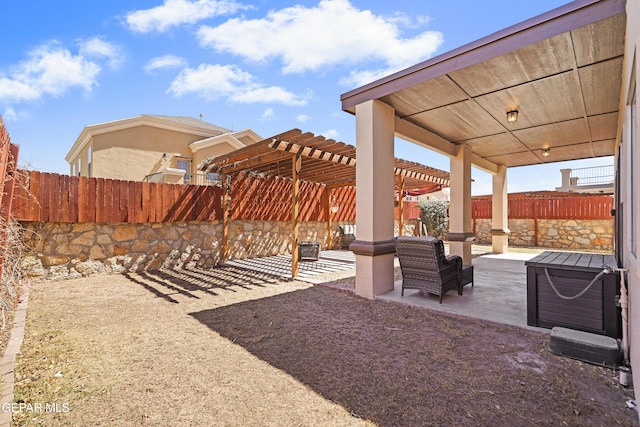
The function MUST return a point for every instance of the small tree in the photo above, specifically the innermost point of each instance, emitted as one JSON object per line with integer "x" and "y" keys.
{"x": 434, "y": 217}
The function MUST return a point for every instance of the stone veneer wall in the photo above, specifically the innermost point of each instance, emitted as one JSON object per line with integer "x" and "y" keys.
{"x": 554, "y": 233}
{"x": 62, "y": 251}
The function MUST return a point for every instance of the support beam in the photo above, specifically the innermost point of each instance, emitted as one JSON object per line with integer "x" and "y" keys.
{"x": 400, "y": 186}
{"x": 295, "y": 210}
{"x": 500, "y": 213}
{"x": 460, "y": 233}
{"x": 422, "y": 137}
{"x": 374, "y": 247}
{"x": 328, "y": 205}
{"x": 226, "y": 206}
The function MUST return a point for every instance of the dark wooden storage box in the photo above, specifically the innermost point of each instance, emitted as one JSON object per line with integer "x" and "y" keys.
{"x": 596, "y": 311}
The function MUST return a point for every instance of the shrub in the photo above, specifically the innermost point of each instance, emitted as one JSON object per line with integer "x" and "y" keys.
{"x": 434, "y": 217}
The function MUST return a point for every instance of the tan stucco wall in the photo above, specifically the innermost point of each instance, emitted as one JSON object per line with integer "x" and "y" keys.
{"x": 630, "y": 260}
{"x": 131, "y": 154}
{"x": 211, "y": 151}
{"x": 81, "y": 162}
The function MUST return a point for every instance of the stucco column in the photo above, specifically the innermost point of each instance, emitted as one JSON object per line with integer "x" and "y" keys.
{"x": 460, "y": 233}
{"x": 500, "y": 212}
{"x": 374, "y": 247}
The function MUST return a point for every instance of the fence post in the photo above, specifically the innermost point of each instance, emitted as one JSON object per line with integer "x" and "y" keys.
{"x": 535, "y": 222}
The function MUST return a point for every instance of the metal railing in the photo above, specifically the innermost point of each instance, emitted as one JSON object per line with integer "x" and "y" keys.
{"x": 202, "y": 178}
{"x": 154, "y": 177}
{"x": 596, "y": 175}
{"x": 199, "y": 178}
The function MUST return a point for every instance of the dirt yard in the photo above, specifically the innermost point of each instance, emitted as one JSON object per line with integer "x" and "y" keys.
{"x": 228, "y": 347}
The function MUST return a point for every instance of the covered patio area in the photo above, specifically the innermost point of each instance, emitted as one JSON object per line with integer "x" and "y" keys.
{"x": 545, "y": 90}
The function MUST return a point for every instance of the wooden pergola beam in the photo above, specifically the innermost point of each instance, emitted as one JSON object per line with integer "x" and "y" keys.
{"x": 226, "y": 206}
{"x": 313, "y": 153}
{"x": 295, "y": 211}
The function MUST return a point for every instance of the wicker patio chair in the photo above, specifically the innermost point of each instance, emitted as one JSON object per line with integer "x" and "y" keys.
{"x": 425, "y": 266}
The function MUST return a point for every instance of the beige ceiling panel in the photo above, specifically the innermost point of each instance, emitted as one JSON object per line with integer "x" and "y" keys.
{"x": 458, "y": 122}
{"x": 604, "y": 148}
{"x": 490, "y": 145}
{"x": 554, "y": 135}
{"x": 547, "y": 57}
{"x": 604, "y": 126}
{"x": 600, "y": 41}
{"x": 568, "y": 152}
{"x": 549, "y": 100}
{"x": 601, "y": 86}
{"x": 425, "y": 96}
{"x": 515, "y": 159}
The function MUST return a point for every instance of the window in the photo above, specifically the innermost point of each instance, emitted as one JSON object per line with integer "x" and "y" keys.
{"x": 185, "y": 165}
{"x": 89, "y": 161}
{"x": 213, "y": 177}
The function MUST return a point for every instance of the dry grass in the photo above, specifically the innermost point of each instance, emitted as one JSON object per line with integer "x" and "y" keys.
{"x": 227, "y": 347}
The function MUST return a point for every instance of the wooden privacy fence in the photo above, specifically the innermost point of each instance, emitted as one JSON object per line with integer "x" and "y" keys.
{"x": 8, "y": 168}
{"x": 579, "y": 207}
{"x": 254, "y": 198}
{"x": 48, "y": 197}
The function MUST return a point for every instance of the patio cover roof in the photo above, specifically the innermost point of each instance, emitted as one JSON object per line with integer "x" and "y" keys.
{"x": 322, "y": 160}
{"x": 561, "y": 70}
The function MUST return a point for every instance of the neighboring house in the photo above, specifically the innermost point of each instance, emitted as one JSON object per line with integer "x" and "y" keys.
{"x": 153, "y": 148}
{"x": 598, "y": 179}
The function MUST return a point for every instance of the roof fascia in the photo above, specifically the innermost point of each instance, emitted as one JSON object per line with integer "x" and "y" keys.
{"x": 249, "y": 133}
{"x": 143, "y": 120}
{"x": 216, "y": 140}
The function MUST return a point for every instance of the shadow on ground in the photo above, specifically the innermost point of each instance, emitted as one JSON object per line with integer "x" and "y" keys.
{"x": 400, "y": 365}
{"x": 170, "y": 284}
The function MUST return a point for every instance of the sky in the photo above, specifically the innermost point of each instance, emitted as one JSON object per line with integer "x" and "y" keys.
{"x": 265, "y": 65}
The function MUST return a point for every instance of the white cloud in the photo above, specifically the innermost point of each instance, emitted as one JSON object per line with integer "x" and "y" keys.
{"x": 99, "y": 48}
{"x": 164, "y": 62}
{"x": 302, "y": 118}
{"x": 331, "y": 134}
{"x": 271, "y": 94}
{"x": 330, "y": 34}
{"x": 215, "y": 81}
{"x": 50, "y": 70}
{"x": 11, "y": 115}
{"x": 173, "y": 13}
{"x": 268, "y": 115}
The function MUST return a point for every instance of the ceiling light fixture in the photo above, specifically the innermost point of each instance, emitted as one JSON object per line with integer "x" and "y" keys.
{"x": 545, "y": 152}
{"x": 512, "y": 116}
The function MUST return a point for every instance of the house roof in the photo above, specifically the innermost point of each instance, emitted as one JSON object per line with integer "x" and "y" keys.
{"x": 561, "y": 70}
{"x": 190, "y": 122}
{"x": 175, "y": 123}
{"x": 233, "y": 139}
{"x": 322, "y": 160}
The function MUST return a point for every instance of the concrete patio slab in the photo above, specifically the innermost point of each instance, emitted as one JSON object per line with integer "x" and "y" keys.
{"x": 499, "y": 293}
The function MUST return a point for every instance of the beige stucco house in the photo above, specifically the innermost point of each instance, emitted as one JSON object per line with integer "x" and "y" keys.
{"x": 152, "y": 148}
